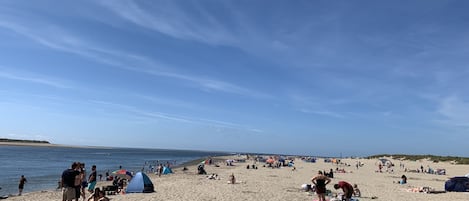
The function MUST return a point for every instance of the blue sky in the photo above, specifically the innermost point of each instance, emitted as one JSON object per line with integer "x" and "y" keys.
{"x": 294, "y": 77}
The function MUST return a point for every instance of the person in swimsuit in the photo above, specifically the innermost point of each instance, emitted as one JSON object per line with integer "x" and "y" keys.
{"x": 21, "y": 185}
{"x": 320, "y": 181}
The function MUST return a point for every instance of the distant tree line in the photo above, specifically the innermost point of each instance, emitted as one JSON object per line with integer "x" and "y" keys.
{"x": 24, "y": 141}
{"x": 436, "y": 159}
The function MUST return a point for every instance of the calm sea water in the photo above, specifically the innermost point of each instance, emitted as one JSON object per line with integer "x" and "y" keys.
{"x": 43, "y": 166}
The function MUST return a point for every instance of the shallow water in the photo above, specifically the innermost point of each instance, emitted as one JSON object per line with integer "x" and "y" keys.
{"x": 43, "y": 166}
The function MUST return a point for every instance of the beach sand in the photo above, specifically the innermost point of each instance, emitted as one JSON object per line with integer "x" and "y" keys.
{"x": 285, "y": 184}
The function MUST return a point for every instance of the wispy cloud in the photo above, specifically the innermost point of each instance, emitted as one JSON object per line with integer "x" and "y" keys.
{"x": 33, "y": 78}
{"x": 58, "y": 39}
{"x": 178, "y": 118}
{"x": 173, "y": 21}
{"x": 455, "y": 110}
{"x": 323, "y": 112}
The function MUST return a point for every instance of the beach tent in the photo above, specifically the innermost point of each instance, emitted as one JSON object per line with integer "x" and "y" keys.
{"x": 384, "y": 162}
{"x": 167, "y": 170}
{"x": 457, "y": 184}
{"x": 140, "y": 183}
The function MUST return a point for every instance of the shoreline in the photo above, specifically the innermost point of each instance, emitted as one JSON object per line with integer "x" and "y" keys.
{"x": 284, "y": 183}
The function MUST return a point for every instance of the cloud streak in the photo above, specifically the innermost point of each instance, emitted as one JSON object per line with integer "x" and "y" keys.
{"x": 323, "y": 113}
{"x": 58, "y": 39}
{"x": 28, "y": 77}
{"x": 455, "y": 111}
{"x": 173, "y": 21}
{"x": 178, "y": 118}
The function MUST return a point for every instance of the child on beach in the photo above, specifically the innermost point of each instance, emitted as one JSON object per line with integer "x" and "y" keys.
{"x": 98, "y": 195}
{"x": 21, "y": 185}
{"x": 232, "y": 179}
{"x": 356, "y": 191}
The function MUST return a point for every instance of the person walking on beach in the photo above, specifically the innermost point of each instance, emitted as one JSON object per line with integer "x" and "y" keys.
{"x": 160, "y": 170}
{"x": 68, "y": 182}
{"x": 21, "y": 185}
{"x": 320, "y": 181}
{"x": 92, "y": 179}
{"x": 77, "y": 183}
{"x": 84, "y": 183}
{"x": 346, "y": 187}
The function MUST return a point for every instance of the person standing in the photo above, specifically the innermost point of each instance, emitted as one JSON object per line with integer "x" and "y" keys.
{"x": 92, "y": 179}
{"x": 68, "y": 182}
{"x": 21, "y": 185}
{"x": 84, "y": 183}
{"x": 346, "y": 187}
{"x": 320, "y": 181}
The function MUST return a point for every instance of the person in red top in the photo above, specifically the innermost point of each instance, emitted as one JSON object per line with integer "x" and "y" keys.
{"x": 346, "y": 187}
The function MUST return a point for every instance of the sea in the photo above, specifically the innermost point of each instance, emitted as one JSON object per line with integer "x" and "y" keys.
{"x": 43, "y": 166}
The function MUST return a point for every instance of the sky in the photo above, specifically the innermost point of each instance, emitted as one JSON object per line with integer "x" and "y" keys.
{"x": 350, "y": 78}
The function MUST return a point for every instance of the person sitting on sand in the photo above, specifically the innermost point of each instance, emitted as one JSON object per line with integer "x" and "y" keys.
{"x": 94, "y": 196}
{"x": 213, "y": 176}
{"x": 403, "y": 180}
{"x": 356, "y": 191}
{"x": 232, "y": 179}
{"x": 98, "y": 195}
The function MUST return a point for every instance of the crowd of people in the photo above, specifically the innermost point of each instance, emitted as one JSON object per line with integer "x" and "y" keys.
{"x": 75, "y": 184}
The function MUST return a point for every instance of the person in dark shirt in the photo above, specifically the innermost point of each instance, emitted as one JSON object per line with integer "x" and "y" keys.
{"x": 21, "y": 185}
{"x": 68, "y": 182}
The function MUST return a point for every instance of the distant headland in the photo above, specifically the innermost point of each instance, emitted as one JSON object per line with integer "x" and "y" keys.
{"x": 40, "y": 143}
{"x": 24, "y": 141}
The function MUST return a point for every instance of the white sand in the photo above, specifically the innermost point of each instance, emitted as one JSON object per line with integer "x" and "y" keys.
{"x": 284, "y": 184}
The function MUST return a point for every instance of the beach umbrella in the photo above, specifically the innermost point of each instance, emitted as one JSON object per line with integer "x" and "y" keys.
{"x": 123, "y": 174}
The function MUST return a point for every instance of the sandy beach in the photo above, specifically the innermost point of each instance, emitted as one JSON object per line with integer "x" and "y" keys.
{"x": 284, "y": 183}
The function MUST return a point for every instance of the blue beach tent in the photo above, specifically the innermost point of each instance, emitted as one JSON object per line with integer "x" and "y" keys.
{"x": 167, "y": 170}
{"x": 140, "y": 183}
{"x": 457, "y": 184}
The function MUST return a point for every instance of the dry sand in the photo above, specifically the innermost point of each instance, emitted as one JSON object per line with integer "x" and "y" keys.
{"x": 284, "y": 184}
